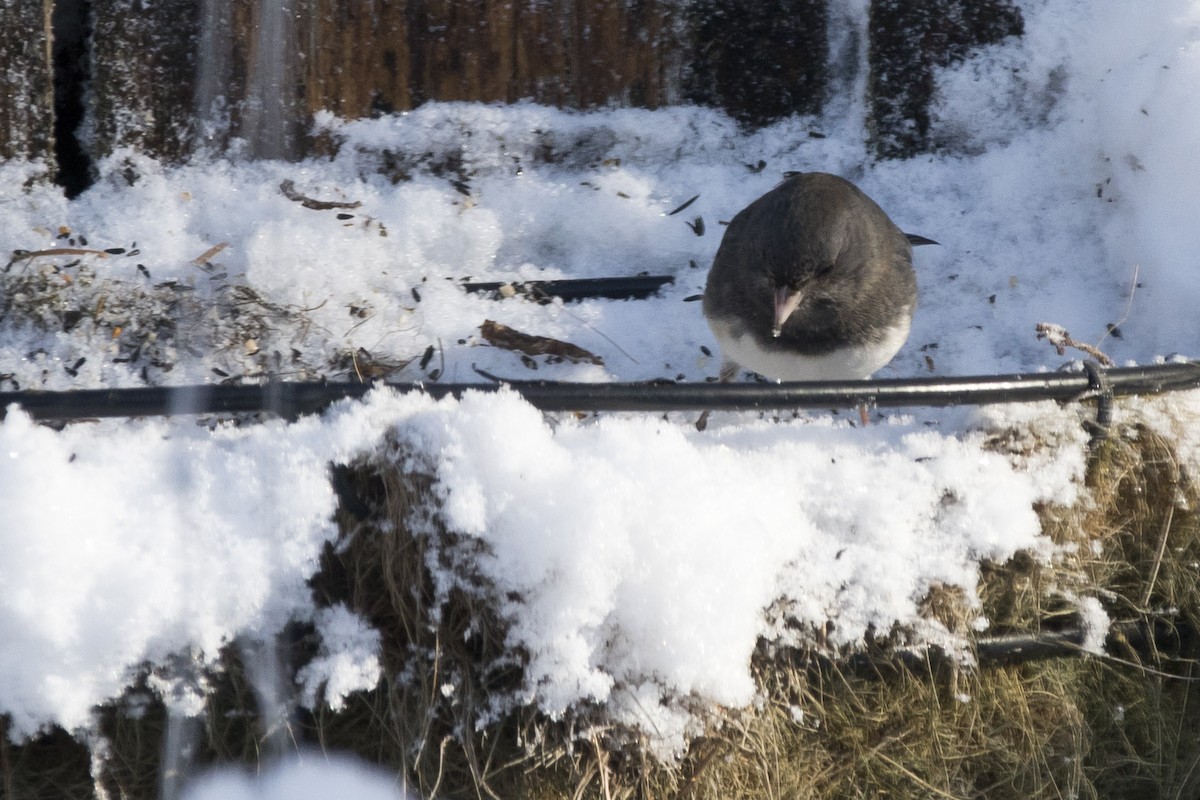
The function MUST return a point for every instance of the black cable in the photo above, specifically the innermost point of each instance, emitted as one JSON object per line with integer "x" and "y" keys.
{"x": 1158, "y": 642}
{"x": 292, "y": 399}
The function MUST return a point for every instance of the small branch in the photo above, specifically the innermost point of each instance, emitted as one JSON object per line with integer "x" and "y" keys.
{"x": 208, "y": 255}
{"x": 1133, "y": 286}
{"x": 1158, "y": 558}
{"x": 24, "y": 255}
{"x": 288, "y": 187}
{"x": 1057, "y": 336}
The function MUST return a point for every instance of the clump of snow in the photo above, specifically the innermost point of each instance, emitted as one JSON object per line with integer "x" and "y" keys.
{"x": 129, "y": 542}
{"x": 348, "y": 660}
{"x": 634, "y": 558}
{"x": 309, "y": 776}
{"x": 1095, "y": 623}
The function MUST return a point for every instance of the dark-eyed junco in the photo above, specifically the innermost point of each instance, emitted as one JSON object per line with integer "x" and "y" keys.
{"x": 812, "y": 281}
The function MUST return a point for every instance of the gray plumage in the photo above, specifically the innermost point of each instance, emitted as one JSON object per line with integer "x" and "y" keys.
{"x": 812, "y": 281}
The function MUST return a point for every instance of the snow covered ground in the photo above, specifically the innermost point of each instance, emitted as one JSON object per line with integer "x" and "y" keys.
{"x": 645, "y": 554}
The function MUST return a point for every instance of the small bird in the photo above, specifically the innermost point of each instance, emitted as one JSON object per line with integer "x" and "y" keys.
{"x": 812, "y": 281}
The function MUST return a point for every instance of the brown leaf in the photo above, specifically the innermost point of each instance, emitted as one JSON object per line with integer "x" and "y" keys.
{"x": 500, "y": 335}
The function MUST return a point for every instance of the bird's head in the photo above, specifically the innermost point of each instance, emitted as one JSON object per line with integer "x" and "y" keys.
{"x": 792, "y": 287}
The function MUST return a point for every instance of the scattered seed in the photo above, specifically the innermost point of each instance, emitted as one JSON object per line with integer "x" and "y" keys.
{"x": 704, "y": 349}
{"x": 427, "y": 357}
{"x": 697, "y": 226}
{"x": 686, "y": 203}
{"x": 693, "y": 298}
{"x": 115, "y": 251}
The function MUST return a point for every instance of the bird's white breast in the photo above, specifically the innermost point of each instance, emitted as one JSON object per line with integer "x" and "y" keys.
{"x": 855, "y": 362}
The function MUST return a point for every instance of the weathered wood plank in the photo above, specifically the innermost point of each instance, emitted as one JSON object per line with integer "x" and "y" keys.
{"x": 26, "y": 80}
{"x": 143, "y": 67}
{"x": 169, "y": 76}
{"x": 909, "y": 38}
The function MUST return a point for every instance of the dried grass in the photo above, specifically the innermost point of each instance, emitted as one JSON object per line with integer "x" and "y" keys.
{"x": 1125, "y": 725}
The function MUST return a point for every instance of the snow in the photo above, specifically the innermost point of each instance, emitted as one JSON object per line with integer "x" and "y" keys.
{"x": 1095, "y": 622}
{"x": 348, "y": 660}
{"x": 310, "y": 776}
{"x": 636, "y": 560}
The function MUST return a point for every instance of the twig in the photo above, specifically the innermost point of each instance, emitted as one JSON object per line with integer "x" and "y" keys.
{"x": 1158, "y": 558}
{"x": 208, "y": 254}
{"x": 1133, "y": 285}
{"x": 288, "y": 187}
{"x": 24, "y": 255}
{"x": 1058, "y": 337}
{"x": 929, "y": 787}
{"x": 603, "y": 768}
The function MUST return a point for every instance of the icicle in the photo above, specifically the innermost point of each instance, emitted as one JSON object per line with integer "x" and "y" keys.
{"x": 269, "y": 118}
{"x": 849, "y": 40}
{"x": 264, "y": 670}
{"x": 214, "y": 72}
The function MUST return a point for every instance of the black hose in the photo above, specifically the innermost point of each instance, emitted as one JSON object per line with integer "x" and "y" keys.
{"x": 1162, "y": 643}
{"x": 292, "y": 399}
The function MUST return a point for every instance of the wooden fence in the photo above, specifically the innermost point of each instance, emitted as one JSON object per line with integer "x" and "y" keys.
{"x": 170, "y": 76}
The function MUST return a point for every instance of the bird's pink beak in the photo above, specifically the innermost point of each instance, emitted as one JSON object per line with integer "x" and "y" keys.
{"x": 786, "y": 300}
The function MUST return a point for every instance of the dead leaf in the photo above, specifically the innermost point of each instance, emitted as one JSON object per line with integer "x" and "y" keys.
{"x": 500, "y": 335}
